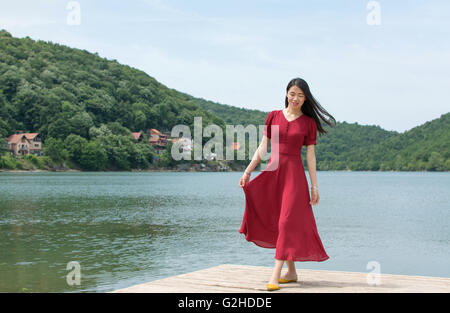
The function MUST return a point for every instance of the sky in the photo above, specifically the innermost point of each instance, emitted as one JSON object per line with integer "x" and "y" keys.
{"x": 383, "y": 63}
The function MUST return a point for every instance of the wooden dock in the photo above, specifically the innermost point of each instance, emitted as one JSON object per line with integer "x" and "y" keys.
{"x": 230, "y": 278}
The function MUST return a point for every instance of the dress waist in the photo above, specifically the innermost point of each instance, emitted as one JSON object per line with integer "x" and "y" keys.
{"x": 288, "y": 149}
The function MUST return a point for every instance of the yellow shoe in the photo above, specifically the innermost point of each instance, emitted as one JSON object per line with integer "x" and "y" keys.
{"x": 285, "y": 281}
{"x": 272, "y": 287}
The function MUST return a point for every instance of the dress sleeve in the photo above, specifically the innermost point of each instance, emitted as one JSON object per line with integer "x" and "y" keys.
{"x": 310, "y": 138}
{"x": 267, "y": 127}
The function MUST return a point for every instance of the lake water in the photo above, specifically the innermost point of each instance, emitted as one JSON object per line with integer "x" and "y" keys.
{"x": 128, "y": 228}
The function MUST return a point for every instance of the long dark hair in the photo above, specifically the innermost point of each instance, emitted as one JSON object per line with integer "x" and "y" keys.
{"x": 311, "y": 107}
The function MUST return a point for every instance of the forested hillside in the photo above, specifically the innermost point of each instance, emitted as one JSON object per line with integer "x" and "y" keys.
{"x": 355, "y": 147}
{"x": 85, "y": 108}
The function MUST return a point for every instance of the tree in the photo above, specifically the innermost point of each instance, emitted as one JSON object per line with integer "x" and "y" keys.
{"x": 54, "y": 148}
{"x": 60, "y": 128}
{"x": 4, "y": 128}
{"x": 93, "y": 156}
{"x": 74, "y": 146}
{"x": 80, "y": 124}
{"x": 435, "y": 162}
{"x": 9, "y": 82}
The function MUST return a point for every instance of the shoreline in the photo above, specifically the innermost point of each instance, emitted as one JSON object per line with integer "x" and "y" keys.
{"x": 193, "y": 170}
{"x": 130, "y": 171}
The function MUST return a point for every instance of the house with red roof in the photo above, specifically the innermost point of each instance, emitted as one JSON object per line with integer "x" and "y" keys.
{"x": 185, "y": 143}
{"x": 22, "y": 143}
{"x": 235, "y": 146}
{"x": 157, "y": 138}
{"x": 138, "y": 136}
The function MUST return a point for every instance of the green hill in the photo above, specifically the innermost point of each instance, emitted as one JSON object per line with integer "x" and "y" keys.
{"x": 355, "y": 147}
{"x": 57, "y": 91}
{"x": 85, "y": 108}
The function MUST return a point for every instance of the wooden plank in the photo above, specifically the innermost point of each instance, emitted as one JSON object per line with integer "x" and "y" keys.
{"x": 249, "y": 278}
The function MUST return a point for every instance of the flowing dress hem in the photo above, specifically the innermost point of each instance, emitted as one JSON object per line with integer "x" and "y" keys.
{"x": 264, "y": 244}
{"x": 259, "y": 243}
{"x": 304, "y": 259}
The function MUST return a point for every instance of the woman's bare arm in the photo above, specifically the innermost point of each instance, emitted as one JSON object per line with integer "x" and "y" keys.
{"x": 311, "y": 162}
{"x": 259, "y": 153}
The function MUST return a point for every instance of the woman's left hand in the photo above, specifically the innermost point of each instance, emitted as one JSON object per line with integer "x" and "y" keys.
{"x": 314, "y": 197}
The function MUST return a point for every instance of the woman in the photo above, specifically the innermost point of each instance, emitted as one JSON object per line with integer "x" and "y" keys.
{"x": 278, "y": 212}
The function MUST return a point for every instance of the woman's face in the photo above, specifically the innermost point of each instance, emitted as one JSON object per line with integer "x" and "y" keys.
{"x": 295, "y": 97}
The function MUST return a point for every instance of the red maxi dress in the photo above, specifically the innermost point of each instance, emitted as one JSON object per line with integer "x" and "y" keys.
{"x": 277, "y": 209}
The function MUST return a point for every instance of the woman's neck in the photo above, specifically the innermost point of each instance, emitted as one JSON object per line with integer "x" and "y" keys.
{"x": 289, "y": 110}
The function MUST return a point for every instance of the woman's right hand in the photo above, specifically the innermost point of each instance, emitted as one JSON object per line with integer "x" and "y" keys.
{"x": 244, "y": 179}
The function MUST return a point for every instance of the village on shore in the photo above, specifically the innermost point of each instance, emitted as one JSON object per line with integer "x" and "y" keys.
{"x": 24, "y": 143}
